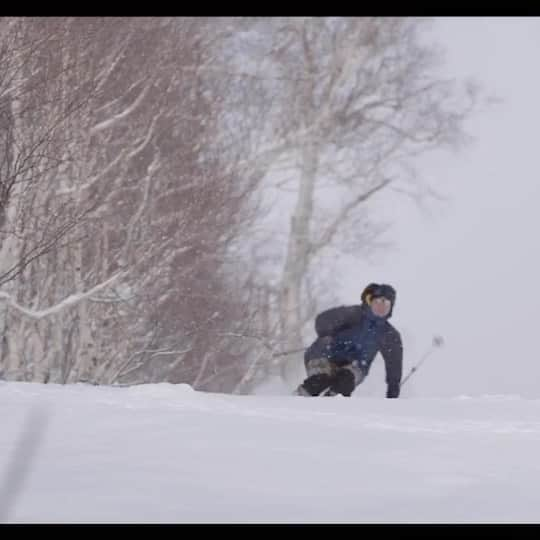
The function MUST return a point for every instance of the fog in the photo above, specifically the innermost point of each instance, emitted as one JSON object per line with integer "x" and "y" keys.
{"x": 466, "y": 267}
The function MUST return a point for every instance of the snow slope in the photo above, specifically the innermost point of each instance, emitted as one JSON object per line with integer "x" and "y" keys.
{"x": 165, "y": 453}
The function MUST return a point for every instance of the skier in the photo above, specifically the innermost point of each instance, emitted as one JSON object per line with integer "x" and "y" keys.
{"x": 349, "y": 337}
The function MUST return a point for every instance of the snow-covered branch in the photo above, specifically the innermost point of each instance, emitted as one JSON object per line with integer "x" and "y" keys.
{"x": 67, "y": 302}
{"x": 121, "y": 115}
{"x": 340, "y": 219}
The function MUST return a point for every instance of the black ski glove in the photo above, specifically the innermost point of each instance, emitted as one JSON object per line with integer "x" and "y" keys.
{"x": 392, "y": 390}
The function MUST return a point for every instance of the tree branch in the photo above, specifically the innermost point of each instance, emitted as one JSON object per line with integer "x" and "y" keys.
{"x": 67, "y": 302}
{"x": 332, "y": 229}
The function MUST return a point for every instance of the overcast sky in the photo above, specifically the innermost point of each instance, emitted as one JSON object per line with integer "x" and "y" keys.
{"x": 470, "y": 270}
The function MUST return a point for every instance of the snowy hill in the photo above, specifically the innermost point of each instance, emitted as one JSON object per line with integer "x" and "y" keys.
{"x": 165, "y": 453}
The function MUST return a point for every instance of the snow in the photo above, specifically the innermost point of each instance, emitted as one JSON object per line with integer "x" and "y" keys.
{"x": 166, "y": 453}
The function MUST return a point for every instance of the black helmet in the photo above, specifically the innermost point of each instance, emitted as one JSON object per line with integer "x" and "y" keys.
{"x": 374, "y": 290}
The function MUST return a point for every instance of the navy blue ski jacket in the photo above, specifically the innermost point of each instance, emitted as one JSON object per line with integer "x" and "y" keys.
{"x": 354, "y": 335}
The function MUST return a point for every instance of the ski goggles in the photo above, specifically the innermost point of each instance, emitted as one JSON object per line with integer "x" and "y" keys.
{"x": 381, "y": 300}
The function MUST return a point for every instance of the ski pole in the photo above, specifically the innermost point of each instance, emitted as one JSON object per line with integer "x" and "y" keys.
{"x": 437, "y": 342}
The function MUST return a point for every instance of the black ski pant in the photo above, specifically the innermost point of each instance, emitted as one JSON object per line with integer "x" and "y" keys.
{"x": 325, "y": 375}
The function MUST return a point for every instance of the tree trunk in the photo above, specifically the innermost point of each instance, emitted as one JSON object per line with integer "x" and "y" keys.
{"x": 11, "y": 356}
{"x": 296, "y": 263}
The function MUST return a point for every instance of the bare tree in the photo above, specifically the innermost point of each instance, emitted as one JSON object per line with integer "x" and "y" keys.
{"x": 144, "y": 147}
{"x": 353, "y": 102}
{"x": 137, "y": 158}
{"x": 32, "y": 130}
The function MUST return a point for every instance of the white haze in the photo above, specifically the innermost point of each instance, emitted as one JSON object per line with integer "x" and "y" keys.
{"x": 468, "y": 268}
{"x": 461, "y": 445}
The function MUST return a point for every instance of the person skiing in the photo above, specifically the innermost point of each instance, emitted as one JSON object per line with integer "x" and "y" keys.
{"x": 348, "y": 339}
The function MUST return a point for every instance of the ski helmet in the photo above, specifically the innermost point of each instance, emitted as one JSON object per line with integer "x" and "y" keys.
{"x": 374, "y": 290}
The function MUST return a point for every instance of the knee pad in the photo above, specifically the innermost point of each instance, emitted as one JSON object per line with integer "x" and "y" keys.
{"x": 318, "y": 366}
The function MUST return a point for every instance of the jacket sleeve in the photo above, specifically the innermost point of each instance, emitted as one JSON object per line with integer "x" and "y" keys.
{"x": 334, "y": 320}
{"x": 392, "y": 352}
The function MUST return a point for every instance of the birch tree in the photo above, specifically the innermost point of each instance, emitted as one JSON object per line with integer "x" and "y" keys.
{"x": 354, "y": 102}
{"x": 136, "y": 159}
